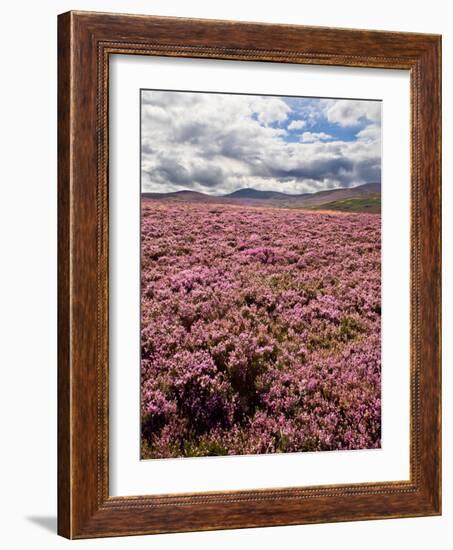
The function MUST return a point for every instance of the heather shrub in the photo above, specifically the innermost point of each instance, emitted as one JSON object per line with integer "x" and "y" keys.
{"x": 260, "y": 330}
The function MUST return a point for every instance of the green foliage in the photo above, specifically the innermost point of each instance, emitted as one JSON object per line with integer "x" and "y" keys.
{"x": 370, "y": 204}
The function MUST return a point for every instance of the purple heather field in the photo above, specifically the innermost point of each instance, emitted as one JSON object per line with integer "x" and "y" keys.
{"x": 260, "y": 330}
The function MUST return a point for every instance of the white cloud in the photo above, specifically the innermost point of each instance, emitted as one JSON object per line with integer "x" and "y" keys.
{"x": 269, "y": 109}
{"x": 312, "y": 137}
{"x": 347, "y": 112}
{"x": 371, "y": 133}
{"x": 297, "y": 125}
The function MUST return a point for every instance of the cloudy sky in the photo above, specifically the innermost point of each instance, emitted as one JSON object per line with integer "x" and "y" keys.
{"x": 218, "y": 143}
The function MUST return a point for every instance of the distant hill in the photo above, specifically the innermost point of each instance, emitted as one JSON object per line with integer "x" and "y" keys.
{"x": 248, "y": 193}
{"x": 363, "y": 198}
{"x": 180, "y": 196}
{"x": 366, "y": 203}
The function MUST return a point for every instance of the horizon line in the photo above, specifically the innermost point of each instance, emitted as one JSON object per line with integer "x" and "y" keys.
{"x": 255, "y": 189}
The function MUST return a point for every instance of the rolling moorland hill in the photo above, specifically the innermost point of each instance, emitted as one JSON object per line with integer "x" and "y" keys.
{"x": 363, "y": 198}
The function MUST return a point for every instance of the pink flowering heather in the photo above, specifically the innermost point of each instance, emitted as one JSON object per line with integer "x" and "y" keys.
{"x": 260, "y": 330}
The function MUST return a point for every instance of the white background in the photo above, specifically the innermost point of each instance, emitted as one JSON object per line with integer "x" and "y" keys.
{"x": 129, "y": 475}
{"x": 28, "y": 289}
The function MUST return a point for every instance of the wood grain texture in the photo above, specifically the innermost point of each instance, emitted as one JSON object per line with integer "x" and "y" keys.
{"x": 64, "y": 367}
{"x": 85, "y": 42}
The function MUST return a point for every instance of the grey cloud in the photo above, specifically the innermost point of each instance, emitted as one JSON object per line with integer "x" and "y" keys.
{"x": 317, "y": 170}
{"x": 168, "y": 170}
{"x": 173, "y": 171}
{"x": 193, "y": 132}
{"x": 147, "y": 149}
{"x": 208, "y": 175}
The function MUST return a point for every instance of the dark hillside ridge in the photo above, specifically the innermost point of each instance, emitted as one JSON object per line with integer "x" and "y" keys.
{"x": 248, "y": 193}
{"x": 276, "y": 199}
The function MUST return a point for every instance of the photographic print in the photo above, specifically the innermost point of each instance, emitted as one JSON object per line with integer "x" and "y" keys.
{"x": 260, "y": 274}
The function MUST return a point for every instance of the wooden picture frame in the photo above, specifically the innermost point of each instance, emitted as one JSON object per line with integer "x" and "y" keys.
{"x": 85, "y": 41}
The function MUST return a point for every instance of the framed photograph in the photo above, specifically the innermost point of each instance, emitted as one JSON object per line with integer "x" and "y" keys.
{"x": 249, "y": 275}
